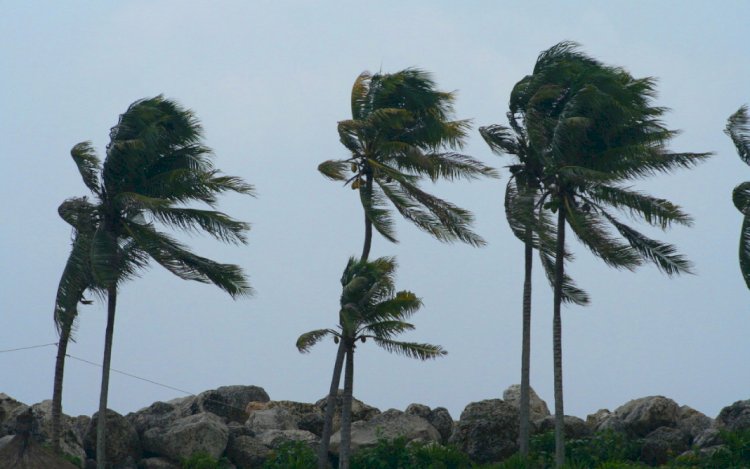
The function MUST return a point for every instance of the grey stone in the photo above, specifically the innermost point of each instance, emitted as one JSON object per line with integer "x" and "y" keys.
{"x": 734, "y": 417}
{"x": 205, "y": 432}
{"x": 692, "y": 422}
{"x": 247, "y": 452}
{"x": 537, "y": 407}
{"x": 387, "y": 425}
{"x": 642, "y": 416}
{"x": 708, "y": 438}
{"x": 573, "y": 427}
{"x": 277, "y": 418}
{"x": 122, "y": 445}
{"x": 157, "y": 463}
{"x": 487, "y": 431}
{"x": 275, "y": 438}
{"x": 360, "y": 410}
{"x": 228, "y": 402}
{"x": 663, "y": 444}
{"x": 441, "y": 419}
{"x": 420, "y": 410}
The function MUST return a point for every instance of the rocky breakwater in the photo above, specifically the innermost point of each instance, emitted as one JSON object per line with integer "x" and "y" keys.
{"x": 243, "y": 425}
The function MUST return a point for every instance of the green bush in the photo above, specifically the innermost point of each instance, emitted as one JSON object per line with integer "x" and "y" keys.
{"x": 399, "y": 454}
{"x": 292, "y": 455}
{"x": 202, "y": 460}
{"x": 591, "y": 452}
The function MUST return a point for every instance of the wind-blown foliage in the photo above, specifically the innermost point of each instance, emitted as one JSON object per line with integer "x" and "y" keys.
{"x": 738, "y": 129}
{"x": 401, "y": 132}
{"x": 155, "y": 165}
{"x": 594, "y": 129}
{"x": 370, "y": 309}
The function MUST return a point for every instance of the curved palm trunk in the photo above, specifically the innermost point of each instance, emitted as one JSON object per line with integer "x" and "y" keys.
{"x": 325, "y": 437}
{"x": 557, "y": 342}
{"x": 62, "y": 348}
{"x": 102, "y": 420}
{"x": 526, "y": 348}
{"x": 346, "y": 411}
{"x": 368, "y": 222}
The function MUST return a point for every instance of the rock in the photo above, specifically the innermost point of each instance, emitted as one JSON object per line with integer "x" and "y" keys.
{"x": 487, "y": 431}
{"x": 692, "y": 423}
{"x": 274, "y": 438}
{"x": 603, "y": 418}
{"x": 441, "y": 419}
{"x": 228, "y": 402}
{"x": 387, "y": 425}
{"x": 157, "y": 415}
{"x": 420, "y": 410}
{"x": 204, "y": 432}
{"x": 277, "y": 418}
{"x": 122, "y": 445}
{"x": 708, "y": 438}
{"x": 5, "y": 440}
{"x": 573, "y": 427}
{"x": 734, "y": 417}
{"x": 642, "y": 416}
{"x": 307, "y": 416}
{"x": 537, "y": 407}
{"x": 360, "y": 410}
{"x": 663, "y": 444}
{"x": 247, "y": 452}
{"x": 8, "y": 406}
{"x": 157, "y": 463}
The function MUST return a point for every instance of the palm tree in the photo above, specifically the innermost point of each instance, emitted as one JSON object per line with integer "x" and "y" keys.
{"x": 76, "y": 279}
{"x": 598, "y": 129}
{"x": 738, "y": 129}
{"x": 534, "y": 229}
{"x": 369, "y": 310}
{"x": 155, "y": 165}
{"x": 401, "y": 131}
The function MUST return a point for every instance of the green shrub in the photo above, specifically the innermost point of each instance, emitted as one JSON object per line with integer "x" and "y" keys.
{"x": 400, "y": 454}
{"x": 202, "y": 460}
{"x": 292, "y": 455}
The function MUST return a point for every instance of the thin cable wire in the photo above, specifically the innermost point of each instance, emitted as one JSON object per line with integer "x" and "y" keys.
{"x": 27, "y": 348}
{"x": 132, "y": 375}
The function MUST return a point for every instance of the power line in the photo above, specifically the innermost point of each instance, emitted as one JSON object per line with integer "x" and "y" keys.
{"x": 27, "y": 348}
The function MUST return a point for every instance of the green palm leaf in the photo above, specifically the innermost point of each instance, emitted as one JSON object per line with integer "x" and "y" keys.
{"x": 88, "y": 165}
{"x": 307, "y": 340}
{"x": 738, "y": 129}
{"x": 411, "y": 349}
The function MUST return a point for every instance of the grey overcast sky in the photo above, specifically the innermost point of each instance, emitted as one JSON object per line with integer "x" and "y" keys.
{"x": 269, "y": 80}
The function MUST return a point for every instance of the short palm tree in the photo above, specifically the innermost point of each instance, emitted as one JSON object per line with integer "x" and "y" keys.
{"x": 598, "y": 129}
{"x": 533, "y": 227}
{"x": 738, "y": 129}
{"x": 155, "y": 165}
{"x": 401, "y": 132}
{"x": 370, "y": 309}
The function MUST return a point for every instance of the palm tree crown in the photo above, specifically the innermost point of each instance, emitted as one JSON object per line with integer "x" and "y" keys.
{"x": 400, "y": 132}
{"x": 738, "y": 129}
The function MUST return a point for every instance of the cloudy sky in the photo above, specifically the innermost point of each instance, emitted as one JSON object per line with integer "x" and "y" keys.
{"x": 269, "y": 80}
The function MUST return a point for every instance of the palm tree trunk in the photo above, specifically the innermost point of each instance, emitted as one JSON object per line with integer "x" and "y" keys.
{"x": 526, "y": 348}
{"x": 62, "y": 348}
{"x": 346, "y": 411}
{"x": 368, "y": 222}
{"x": 325, "y": 437}
{"x": 102, "y": 421}
{"x": 557, "y": 341}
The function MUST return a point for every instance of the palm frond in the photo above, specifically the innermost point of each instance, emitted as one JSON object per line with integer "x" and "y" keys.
{"x": 373, "y": 203}
{"x": 663, "y": 255}
{"x": 744, "y": 252}
{"x": 334, "y": 169}
{"x": 88, "y": 165}
{"x": 741, "y": 197}
{"x": 386, "y": 329}
{"x": 307, "y": 340}
{"x": 411, "y": 349}
{"x": 738, "y": 129}
{"x": 655, "y": 211}
{"x": 570, "y": 292}
{"x": 502, "y": 140}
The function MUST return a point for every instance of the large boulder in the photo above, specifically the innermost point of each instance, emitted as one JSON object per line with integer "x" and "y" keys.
{"x": 307, "y": 416}
{"x": 247, "y": 452}
{"x": 692, "y": 422}
{"x": 663, "y": 444}
{"x": 538, "y": 409}
{"x": 204, "y": 432}
{"x": 642, "y": 416}
{"x": 228, "y": 402}
{"x": 573, "y": 427}
{"x": 734, "y": 417}
{"x": 8, "y": 406}
{"x": 360, "y": 410}
{"x": 275, "y": 438}
{"x": 487, "y": 430}
{"x": 157, "y": 415}
{"x": 277, "y": 418}
{"x": 439, "y": 417}
{"x": 387, "y": 425}
{"x": 603, "y": 420}
{"x": 122, "y": 445}
{"x": 157, "y": 463}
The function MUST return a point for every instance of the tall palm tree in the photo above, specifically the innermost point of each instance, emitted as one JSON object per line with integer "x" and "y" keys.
{"x": 401, "y": 131}
{"x": 534, "y": 228}
{"x": 369, "y": 310}
{"x": 76, "y": 279}
{"x": 598, "y": 129}
{"x": 738, "y": 129}
{"x": 155, "y": 165}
